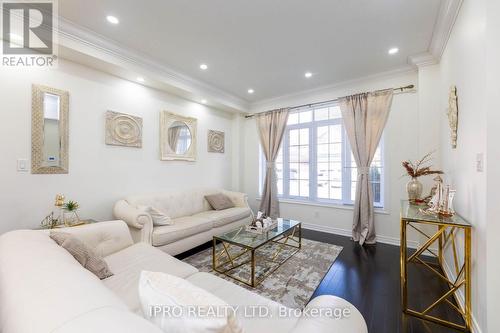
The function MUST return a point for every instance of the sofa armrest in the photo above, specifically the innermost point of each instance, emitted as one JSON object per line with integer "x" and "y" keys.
{"x": 239, "y": 199}
{"x": 139, "y": 222}
{"x": 337, "y": 315}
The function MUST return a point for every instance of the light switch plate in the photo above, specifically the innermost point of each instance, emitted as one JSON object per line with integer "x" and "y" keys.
{"x": 22, "y": 165}
{"x": 479, "y": 162}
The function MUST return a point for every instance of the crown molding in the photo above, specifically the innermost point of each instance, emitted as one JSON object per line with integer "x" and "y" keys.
{"x": 284, "y": 100}
{"x": 447, "y": 15}
{"x": 84, "y": 41}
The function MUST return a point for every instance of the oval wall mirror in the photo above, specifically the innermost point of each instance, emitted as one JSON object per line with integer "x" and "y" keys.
{"x": 179, "y": 137}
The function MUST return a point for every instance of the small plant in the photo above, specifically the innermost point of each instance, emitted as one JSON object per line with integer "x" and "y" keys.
{"x": 71, "y": 206}
{"x": 418, "y": 169}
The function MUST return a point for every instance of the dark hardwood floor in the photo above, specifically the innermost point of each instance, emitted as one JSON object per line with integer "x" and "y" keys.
{"x": 368, "y": 277}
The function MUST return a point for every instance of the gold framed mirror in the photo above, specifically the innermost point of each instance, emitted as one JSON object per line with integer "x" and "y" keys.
{"x": 49, "y": 130}
{"x": 177, "y": 137}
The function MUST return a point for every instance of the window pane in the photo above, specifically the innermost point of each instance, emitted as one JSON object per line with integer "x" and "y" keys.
{"x": 336, "y": 152}
{"x": 279, "y": 170}
{"x": 294, "y": 188}
{"x": 335, "y": 133}
{"x": 335, "y": 112}
{"x": 323, "y": 171}
{"x": 376, "y": 192}
{"x": 304, "y": 153}
{"x": 321, "y": 114}
{"x": 280, "y": 186}
{"x": 335, "y": 191}
{"x": 375, "y": 174}
{"x": 323, "y": 190}
{"x": 304, "y": 188}
{"x": 322, "y": 153}
{"x": 293, "y": 118}
{"x": 294, "y": 170}
{"x": 304, "y": 171}
{"x": 353, "y": 191}
{"x": 322, "y": 134}
{"x": 305, "y": 116}
{"x": 335, "y": 172}
{"x": 304, "y": 136}
{"x": 294, "y": 154}
{"x": 294, "y": 137}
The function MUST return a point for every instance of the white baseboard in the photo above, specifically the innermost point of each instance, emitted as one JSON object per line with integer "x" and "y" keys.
{"x": 460, "y": 296}
{"x": 348, "y": 233}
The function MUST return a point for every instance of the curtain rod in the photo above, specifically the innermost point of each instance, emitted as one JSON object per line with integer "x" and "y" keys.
{"x": 400, "y": 89}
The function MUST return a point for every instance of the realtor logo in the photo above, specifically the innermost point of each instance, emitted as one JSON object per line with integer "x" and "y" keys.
{"x": 28, "y": 33}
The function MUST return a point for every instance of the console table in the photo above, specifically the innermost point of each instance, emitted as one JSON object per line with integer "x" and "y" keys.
{"x": 445, "y": 235}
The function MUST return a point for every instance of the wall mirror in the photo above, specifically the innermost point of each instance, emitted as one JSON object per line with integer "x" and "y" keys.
{"x": 49, "y": 130}
{"x": 177, "y": 137}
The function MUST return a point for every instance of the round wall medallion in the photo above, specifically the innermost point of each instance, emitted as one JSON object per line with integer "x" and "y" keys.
{"x": 123, "y": 130}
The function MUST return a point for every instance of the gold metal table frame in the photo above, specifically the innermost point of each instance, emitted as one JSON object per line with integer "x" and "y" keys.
{"x": 291, "y": 238}
{"x": 445, "y": 235}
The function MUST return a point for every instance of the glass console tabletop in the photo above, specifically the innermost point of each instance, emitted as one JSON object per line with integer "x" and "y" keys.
{"x": 251, "y": 240}
{"x": 413, "y": 212}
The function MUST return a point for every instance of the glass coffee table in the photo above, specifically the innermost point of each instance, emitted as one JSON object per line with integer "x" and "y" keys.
{"x": 250, "y": 257}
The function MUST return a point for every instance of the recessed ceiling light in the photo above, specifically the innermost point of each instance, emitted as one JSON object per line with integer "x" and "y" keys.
{"x": 393, "y": 50}
{"x": 308, "y": 74}
{"x": 140, "y": 79}
{"x": 251, "y": 91}
{"x": 203, "y": 101}
{"x": 112, "y": 19}
{"x": 203, "y": 67}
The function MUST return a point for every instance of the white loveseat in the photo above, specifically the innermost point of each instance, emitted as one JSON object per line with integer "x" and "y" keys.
{"x": 44, "y": 289}
{"x": 194, "y": 220}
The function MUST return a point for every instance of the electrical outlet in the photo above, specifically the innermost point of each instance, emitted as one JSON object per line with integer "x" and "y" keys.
{"x": 22, "y": 165}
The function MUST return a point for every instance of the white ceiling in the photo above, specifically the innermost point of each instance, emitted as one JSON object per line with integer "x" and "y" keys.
{"x": 266, "y": 45}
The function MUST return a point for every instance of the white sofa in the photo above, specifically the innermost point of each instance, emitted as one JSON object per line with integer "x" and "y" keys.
{"x": 195, "y": 222}
{"x": 44, "y": 289}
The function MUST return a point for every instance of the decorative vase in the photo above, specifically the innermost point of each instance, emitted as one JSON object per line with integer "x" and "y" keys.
{"x": 414, "y": 189}
{"x": 70, "y": 218}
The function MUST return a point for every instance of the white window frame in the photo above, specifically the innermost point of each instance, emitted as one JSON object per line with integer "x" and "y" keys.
{"x": 345, "y": 162}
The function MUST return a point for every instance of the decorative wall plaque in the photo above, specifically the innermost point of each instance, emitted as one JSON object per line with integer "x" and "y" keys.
{"x": 453, "y": 115}
{"x": 215, "y": 141}
{"x": 123, "y": 130}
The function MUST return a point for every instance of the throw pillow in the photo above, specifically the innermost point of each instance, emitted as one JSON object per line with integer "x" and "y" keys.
{"x": 176, "y": 305}
{"x": 157, "y": 216}
{"x": 82, "y": 253}
{"x": 219, "y": 201}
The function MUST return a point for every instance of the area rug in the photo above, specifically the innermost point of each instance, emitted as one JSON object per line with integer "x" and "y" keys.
{"x": 293, "y": 283}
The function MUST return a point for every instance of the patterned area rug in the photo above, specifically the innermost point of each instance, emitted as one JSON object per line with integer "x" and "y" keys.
{"x": 292, "y": 284}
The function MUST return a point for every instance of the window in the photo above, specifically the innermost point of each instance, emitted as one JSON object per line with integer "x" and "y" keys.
{"x": 315, "y": 162}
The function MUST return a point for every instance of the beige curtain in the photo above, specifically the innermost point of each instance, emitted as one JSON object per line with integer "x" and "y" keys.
{"x": 173, "y": 137}
{"x": 365, "y": 116}
{"x": 271, "y": 127}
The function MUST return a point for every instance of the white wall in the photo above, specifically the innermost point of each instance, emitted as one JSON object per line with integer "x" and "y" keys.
{"x": 464, "y": 64}
{"x": 407, "y": 136}
{"x": 98, "y": 174}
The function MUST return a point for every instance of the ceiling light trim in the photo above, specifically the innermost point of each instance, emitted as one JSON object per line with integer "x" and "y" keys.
{"x": 76, "y": 37}
{"x": 283, "y": 100}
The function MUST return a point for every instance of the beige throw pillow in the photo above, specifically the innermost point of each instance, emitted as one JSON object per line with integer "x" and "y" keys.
{"x": 188, "y": 308}
{"x": 219, "y": 201}
{"x": 158, "y": 217}
{"x": 82, "y": 253}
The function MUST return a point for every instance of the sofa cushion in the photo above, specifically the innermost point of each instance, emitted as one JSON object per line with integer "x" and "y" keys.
{"x": 219, "y": 201}
{"x": 128, "y": 264}
{"x": 226, "y": 216}
{"x": 175, "y": 203}
{"x": 42, "y": 287}
{"x": 183, "y": 227}
{"x": 238, "y": 296}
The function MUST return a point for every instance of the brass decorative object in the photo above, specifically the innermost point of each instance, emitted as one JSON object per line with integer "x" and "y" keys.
{"x": 453, "y": 115}
{"x": 49, "y": 130}
{"x": 287, "y": 234}
{"x": 447, "y": 228}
